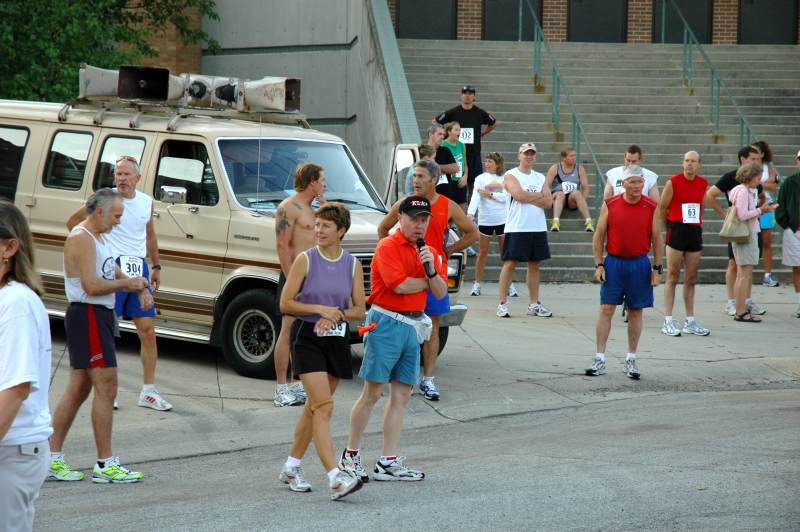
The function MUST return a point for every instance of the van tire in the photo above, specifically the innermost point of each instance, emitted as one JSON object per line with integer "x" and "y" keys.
{"x": 250, "y": 328}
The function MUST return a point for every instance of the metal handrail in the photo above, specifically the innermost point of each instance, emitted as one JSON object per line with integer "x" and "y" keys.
{"x": 559, "y": 86}
{"x": 716, "y": 83}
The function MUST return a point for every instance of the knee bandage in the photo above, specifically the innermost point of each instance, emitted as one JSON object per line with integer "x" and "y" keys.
{"x": 316, "y": 406}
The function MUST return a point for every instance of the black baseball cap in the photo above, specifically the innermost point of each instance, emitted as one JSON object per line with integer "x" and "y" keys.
{"x": 468, "y": 88}
{"x": 415, "y": 205}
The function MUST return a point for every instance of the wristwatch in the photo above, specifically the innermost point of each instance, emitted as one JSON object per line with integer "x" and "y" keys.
{"x": 155, "y": 267}
{"x": 599, "y": 265}
{"x": 658, "y": 268}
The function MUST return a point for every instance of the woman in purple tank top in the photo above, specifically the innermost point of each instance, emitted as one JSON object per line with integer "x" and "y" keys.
{"x": 325, "y": 290}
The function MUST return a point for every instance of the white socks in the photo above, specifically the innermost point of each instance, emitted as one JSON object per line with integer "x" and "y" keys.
{"x": 689, "y": 319}
{"x": 631, "y": 356}
{"x": 332, "y": 475}
{"x": 667, "y": 318}
{"x": 600, "y": 356}
{"x": 148, "y": 388}
{"x": 292, "y": 462}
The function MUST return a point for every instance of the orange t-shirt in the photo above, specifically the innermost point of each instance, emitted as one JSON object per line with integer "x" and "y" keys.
{"x": 395, "y": 260}
{"x": 439, "y": 224}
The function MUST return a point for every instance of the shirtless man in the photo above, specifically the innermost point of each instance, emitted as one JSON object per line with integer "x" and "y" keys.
{"x": 294, "y": 232}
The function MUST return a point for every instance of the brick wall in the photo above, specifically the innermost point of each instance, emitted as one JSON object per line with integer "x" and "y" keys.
{"x": 173, "y": 54}
{"x": 469, "y": 24}
{"x": 640, "y": 21}
{"x": 725, "y": 25}
{"x": 554, "y": 19}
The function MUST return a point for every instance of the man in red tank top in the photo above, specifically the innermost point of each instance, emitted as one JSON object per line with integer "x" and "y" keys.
{"x": 443, "y": 212}
{"x": 628, "y": 227}
{"x": 682, "y": 209}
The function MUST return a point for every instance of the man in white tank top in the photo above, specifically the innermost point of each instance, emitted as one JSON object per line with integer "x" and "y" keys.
{"x": 90, "y": 280}
{"x": 633, "y": 156}
{"x": 131, "y": 242}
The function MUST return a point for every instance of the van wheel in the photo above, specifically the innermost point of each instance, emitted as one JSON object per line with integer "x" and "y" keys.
{"x": 249, "y": 332}
{"x": 444, "y": 332}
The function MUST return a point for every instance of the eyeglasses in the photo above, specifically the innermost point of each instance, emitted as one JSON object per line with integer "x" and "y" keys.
{"x": 130, "y": 158}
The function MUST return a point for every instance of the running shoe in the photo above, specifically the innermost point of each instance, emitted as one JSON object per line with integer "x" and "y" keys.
{"x": 429, "y": 390}
{"x": 476, "y": 289}
{"x": 396, "y": 470}
{"x": 588, "y": 226}
{"x": 624, "y": 313}
{"x": 296, "y": 388}
{"x": 670, "y": 328}
{"x": 539, "y": 310}
{"x": 59, "y": 470}
{"x": 285, "y": 397}
{"x": 116, "y": 405}
{"x": 555, "y": 226}
{"x": 343, "y": 485}
{"x": 754, "y": 308}
{"x": 471, "y": 252}
{"x": 598, "y": 368}
{"x": 502, "y": 311}
{"x": 797, "y": 311}
{"x": 770, "y": 280}
{"x": 295, "y": 478}
{"x": 153, "y": 400}
{"x": 693, "y": 327}
{"x": 113, "y": 473}
{"x": 730, "y": 308}
{"x": 632, "y": 370}
{"x": 351, "y": 464}
{"x": 512, "y": 291}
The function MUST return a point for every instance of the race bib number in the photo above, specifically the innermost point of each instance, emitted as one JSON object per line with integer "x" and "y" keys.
{"x": 568, "y": 186}
{"x": 442, "y": 180}
{"x": 131, "y": 266}
{"x": 691, "y": 213}
{"x": 337, "y": 330}
{"x": 467, "y": 135}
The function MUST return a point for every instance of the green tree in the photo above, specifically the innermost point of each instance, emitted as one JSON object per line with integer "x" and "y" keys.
{"x": 43, "y": 42}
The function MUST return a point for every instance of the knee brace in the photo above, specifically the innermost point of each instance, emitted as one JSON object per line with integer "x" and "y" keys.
{"x": 314, "y": 407}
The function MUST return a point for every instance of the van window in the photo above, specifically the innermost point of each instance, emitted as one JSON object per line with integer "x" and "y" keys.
{"x": 12, "y": 148}
{"x": 177, "y": 154}
{"x": 115, "y": 147}
{"x": 66, "y": 162}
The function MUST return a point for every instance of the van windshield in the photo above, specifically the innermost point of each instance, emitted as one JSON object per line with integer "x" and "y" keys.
{"x": 261, "y": 174}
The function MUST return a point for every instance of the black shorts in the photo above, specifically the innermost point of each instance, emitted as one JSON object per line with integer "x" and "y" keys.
{"x": 684, "y": 237}
{"x": 760, "y": 248}
{"x": 458, "y": 194}
{"x": 526, "y": 247}
{"x": 90, "y": 336}
{"x": 489, "y": 230}
{"x": 312, "y": 353}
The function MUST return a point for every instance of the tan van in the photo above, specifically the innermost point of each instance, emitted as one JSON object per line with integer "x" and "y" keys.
{"x": 216, "y": 180}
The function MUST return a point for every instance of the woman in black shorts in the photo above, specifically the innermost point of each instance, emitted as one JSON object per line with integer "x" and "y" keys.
{"x": 324, "y": 290}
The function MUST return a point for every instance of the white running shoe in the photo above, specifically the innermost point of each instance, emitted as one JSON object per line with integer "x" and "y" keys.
{"x": 154, "y": 400}
{"x": 284, "y": 396}
{"x": 632, "y": 370}
{"x": 537, "y": 309}
{"x": 353, "y": 467}
{"x": 296, "y": 388}
{"x": 693, "y": 327}
{"x": 343, "y": 485}
{"x": 294, "y": 477}
{"x": 502, "y": 311}
{"x": 770, "y": 280}
{"x": 797, "y": 311}
{"x": 476, "y": 289}
{"x": 396, "y": 470}
{"x": 670, "y": 328}
{"x": 512, "y": 291}
{"x": 730, "y": 308}
{"x": 754, "y": 308}
{"x": 598, "y": 368}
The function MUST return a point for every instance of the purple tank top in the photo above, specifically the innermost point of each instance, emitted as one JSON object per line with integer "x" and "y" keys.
{"x": 328, "y": 282}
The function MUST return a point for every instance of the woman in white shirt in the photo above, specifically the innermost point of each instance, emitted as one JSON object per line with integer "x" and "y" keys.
{"x": 24, "y": 374}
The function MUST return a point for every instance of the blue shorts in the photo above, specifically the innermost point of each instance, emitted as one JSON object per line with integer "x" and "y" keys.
{"x": 628, "y": 278}
{"x": 767, "y": 220}
{"x": 437, "y": 307}
{"x": 391, "y": 351}
{"x": 126, "y": 304}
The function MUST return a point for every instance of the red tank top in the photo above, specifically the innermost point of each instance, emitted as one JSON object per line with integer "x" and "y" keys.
{"x": 687, "y": 199}
{"x": 630, "y": 226}
{"x": 440, "y": 216}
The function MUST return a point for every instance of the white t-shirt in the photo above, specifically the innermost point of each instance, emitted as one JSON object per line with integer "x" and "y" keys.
{"x": 525, "y": 217}
{"x": 491, "y": 211}
{"x": 25, "y": 357}
{"x": 615, "y": 178}
{"x": 129, "y": 237}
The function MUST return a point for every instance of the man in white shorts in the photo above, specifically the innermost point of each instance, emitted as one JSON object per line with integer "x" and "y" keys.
{"x": 787, "y": 215}
{"x": 633, "y": 155}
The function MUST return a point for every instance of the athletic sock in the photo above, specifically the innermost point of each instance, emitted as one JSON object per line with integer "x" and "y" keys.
{"x": 57, "y": 456}
{"x": 667, "y": 318}
{"x": 332, "y": 474}
{"x": 101, "y": 462}
{"x": 555, "y": 218}
{"x": 291, "y": 462}
{"x": 283, "y": 387}
{"x": 427, "y": 380}
{"x": 388, "y": 459}
{"x": 689, "y": 319}
{"x": 748, "y": 301}
{"x": 631, "y": 356}
{"x": 588, "y": 219}
{"x": 148, "y": 388}
{"x": 351, "y": 452}
{"x": 732, "y": 301}
{"x": 601, "y": 356}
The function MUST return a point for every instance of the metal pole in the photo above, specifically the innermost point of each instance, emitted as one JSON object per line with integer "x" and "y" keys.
{"x": 537, "y": 53}
{"x": 519, "y": 23}
{"x": 663, "y": 21}
{"x": 687, "y": 40}
{"x": 556, "y": 91}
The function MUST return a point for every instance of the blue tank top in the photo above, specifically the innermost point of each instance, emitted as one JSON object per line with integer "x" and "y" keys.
{"x": 328, "y": 282}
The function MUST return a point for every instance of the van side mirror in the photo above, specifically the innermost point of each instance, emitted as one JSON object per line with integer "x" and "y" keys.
{"x": 173, "y": 195}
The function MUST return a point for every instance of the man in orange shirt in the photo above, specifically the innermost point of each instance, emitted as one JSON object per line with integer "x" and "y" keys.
{"x": 401, "y": 274}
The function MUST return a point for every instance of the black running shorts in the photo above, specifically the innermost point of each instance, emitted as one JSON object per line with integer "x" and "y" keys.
{"x": 526, "y": 247}
{"x": 312, "y": 353}
{"x": 684, "y": 237}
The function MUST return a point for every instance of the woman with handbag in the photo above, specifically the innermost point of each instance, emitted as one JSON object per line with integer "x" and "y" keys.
{"x": 743, "y": 199}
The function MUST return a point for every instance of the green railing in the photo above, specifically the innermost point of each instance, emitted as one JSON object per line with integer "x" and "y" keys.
{"x": 558, "y": 87}
{"x": 716, "y": 85}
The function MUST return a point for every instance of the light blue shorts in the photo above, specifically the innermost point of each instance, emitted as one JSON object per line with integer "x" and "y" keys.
{"x": 391, "y": 351}
{"x": 767, "y": 220}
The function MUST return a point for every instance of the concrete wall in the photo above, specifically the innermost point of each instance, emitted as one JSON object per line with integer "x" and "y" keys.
{"x": 331, "y": 47}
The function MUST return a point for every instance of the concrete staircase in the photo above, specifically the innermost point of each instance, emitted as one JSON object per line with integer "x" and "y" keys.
{"x": 623, "y": 94}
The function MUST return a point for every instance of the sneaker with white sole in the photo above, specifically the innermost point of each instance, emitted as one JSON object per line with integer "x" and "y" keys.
{"x": 153, "y": 400}
{"x": 428, "y": 389}
{"x": 396, "y": 470}
{"x": 730, "y": 308}
{"x": 284, "y": 396}
{"x": 343, "y": 485}
{"x": 797, "y": 311}
{"x": 351, "y": 464}
{"x": 476, "y": 289}
{"x": 693, "y": 327}
{"x": 502, "y": 311}
{"x": 512, "y": 291}
{"x": 114, "y": 473}
{"x": 754, "y": 308}
{"x": 59, "y": 470}
{"x": 770, "y": 281}
{"x": 293, "y": 476}
{"x": 296, "y": 388}
{"x": 631, "y": 369}
{"x": 598, "y": 368}
{"x": 537, "y": 309}
{"x": 670, "y": 328}
{"x": 116, "y": 405}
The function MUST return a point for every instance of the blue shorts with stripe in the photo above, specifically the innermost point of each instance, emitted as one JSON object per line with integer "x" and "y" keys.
{"x": 126, "y": 304}
{"x": 629, "y": 279}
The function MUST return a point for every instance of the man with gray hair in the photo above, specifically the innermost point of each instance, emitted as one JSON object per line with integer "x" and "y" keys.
{"x": 90, "y": 280}
{"x": 444, "y": 158}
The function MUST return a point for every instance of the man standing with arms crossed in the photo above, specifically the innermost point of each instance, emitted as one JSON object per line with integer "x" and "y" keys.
{"x": 294, "y": 233}
{"x": 443, "y": 212}
{"x": 402, "y": 275}
{"x": 90, "y": 280}
{"x": 629, "y": 228}
{"x": 682, "y": 209}
{"x": 131, "y": 242}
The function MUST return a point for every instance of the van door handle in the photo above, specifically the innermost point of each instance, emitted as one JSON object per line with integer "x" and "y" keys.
{"x": 194, "y": 210}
